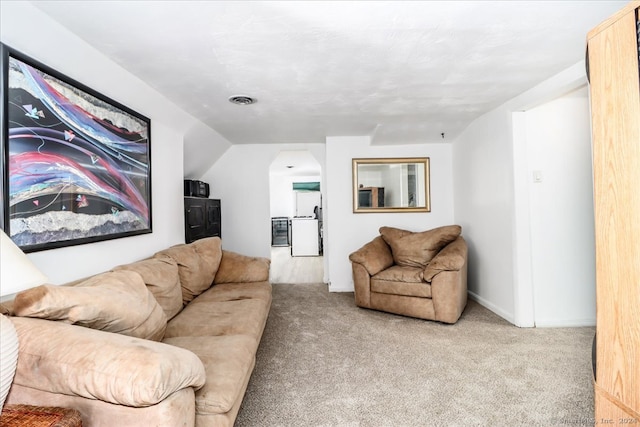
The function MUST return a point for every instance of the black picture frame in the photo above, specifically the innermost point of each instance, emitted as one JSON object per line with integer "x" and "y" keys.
{"x": 75, "y": 164}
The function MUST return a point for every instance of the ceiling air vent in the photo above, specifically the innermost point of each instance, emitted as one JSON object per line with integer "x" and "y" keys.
{"x": 242, "y": 100}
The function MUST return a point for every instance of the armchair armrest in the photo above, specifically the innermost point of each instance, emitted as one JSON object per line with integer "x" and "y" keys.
{"x": 451, "y": 258}
{"x": 237, "y": 268}
{"x": 56, "y": 357}
{"x": 374, "y": 256}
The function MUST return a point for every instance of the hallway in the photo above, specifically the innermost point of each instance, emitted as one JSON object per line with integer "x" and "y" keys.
{"x": 288, "y": 269}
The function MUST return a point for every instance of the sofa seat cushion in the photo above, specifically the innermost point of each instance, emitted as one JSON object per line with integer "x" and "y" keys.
{"x": 413, "y": 249}
{"x": 398, "y": 280}
{"x": 116, "y": 301}
{"x": 228, "y": 361}
{"x": 237, "y": 292}
{"x": 198, "y": 264}
{"x": 398, "y": 273}
{"x": 205, "y": 317}
{"x": 160, "y": 274}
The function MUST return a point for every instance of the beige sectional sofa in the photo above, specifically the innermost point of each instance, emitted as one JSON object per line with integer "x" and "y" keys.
{"x": 166, "y": 341}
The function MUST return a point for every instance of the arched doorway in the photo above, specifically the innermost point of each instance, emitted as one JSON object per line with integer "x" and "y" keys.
{"x": 295, "y": 188}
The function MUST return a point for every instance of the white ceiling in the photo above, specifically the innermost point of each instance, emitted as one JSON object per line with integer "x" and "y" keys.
{"x": 403, "y": 72}
{"x": 295, "y": 163}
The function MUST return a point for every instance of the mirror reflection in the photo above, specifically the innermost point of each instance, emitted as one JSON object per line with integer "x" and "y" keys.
{"x": 391, "y": 185}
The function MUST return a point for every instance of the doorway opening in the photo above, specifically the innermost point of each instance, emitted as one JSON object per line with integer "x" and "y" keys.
{"x": 295, "y": 187}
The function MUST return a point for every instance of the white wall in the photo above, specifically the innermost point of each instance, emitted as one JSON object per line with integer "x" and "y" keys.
{"x": 345, "y": 231}
{"x": 48, "y": 42}
{"x": 483, "y": 182}
{"x": 492, "y": 199}
{"x": 240, "y": 178}
{"x": 202, "y": 147}
{"x": 561, "y": 211}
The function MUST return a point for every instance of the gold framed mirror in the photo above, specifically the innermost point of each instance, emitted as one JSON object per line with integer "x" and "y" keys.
{"x": 391, "y": 185}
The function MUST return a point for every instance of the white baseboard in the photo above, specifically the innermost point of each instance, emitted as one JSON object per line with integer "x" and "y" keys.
{"x": 539, "y": 323}
{"x": 565, "y": 323}
{"x": 497, "y": 310}
{"x": 339, "y": 289}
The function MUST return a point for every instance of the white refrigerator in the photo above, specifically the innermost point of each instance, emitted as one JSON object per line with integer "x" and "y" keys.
{"x": 304, "y": 237}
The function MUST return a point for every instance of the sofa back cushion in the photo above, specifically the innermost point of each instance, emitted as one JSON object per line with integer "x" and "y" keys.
{"x": 116, "y": 301}
{"x": 160, "y": 274}
{"x": 416, "y": 249}
{"x": 198, "y": 263}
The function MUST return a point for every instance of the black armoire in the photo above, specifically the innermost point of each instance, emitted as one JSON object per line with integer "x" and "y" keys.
{"x": 202, "y": 218}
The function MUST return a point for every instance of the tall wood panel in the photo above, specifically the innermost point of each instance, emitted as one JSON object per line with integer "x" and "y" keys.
{"x": 615, "y": 108}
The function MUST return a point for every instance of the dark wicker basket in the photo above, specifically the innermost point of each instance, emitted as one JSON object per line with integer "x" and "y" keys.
{"x": 39, "y": 416}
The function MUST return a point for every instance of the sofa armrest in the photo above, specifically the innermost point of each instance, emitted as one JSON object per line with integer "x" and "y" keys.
{"x": 451, "y": 258}
{"x": 237, "y": 268}
{"x": 56, "y": 357}
{"x": 374, "y": 256}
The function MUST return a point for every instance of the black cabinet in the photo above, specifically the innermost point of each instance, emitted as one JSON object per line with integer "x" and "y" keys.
{"x": 202, "y": 218}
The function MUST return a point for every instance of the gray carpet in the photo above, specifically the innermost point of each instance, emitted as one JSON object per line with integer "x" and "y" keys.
{"x": 324, "y": 362}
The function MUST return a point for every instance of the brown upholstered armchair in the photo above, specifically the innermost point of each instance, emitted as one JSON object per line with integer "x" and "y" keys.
{"x": 421, "y": 275}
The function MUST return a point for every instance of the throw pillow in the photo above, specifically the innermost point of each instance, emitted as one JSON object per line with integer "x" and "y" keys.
{"x": 375, "y": 256}
{"x": 160, "y": 274}
{"x": 416, "y": 249}
{"x": 238, "y": 268}
{"x": 451, "y": 258}
{"x": 198, "y": 263}
{"x": 116, "y": 301}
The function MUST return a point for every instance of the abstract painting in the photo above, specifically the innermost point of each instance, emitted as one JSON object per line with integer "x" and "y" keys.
{"x": 76, "y": 165}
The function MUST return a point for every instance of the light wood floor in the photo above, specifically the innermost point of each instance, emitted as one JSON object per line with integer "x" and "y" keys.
{"x": 299, "y": 269}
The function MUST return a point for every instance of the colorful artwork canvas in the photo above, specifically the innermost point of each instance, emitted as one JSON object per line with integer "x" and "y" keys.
{"x": 76, "y": 164}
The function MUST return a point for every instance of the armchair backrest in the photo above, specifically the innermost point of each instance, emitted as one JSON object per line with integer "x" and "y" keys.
{"x": 417, "y": 249}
